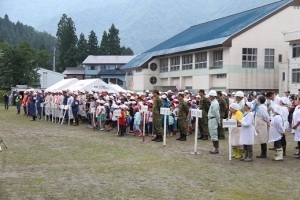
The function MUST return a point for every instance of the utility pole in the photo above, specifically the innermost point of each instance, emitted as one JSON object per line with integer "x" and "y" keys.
{"x": 288, "y": 76}
{"x": 54, "y": 49}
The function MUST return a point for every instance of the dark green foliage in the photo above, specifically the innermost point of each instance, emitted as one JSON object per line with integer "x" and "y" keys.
{"x": 82, "y": 50}
{"x": 66, "y": 42}
{"x": 14, "y": 33}
{"x": 104, "y": 44}
{"x": 92, "y": 46}
{"x": 19, "y": 64}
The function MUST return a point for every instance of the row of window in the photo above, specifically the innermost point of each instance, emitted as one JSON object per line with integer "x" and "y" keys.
{"x": 249, "y": 60}
{"x": 104, "y": 66}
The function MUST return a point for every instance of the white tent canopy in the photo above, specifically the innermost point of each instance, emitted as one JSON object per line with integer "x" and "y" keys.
{"x": 65, "y": 83}
{"x": 89, "y": 84}
{"x": 117, "y": 87}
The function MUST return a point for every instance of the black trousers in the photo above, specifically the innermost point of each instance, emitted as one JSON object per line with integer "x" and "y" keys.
{"x": 6, "y": 105}
{"x": 277, "y": 144}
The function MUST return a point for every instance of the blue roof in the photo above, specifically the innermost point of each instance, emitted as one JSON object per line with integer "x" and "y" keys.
{"x": 208, "y": 34}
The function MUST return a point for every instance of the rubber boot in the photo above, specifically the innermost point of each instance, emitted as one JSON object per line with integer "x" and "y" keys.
{"x": 179, "y": 137}
{"x": 239, "y": 154}
{"x": 263, "y": 151}
{"x": 250, "y": 154}
{"x": 234, "y": 149}
{"x": 216, "y": 148}
{"x": 159, "y": 139}
{"x": 183, "y": 138}
{"x": 156, "y": 137}
{"x": 245, "y": 155}
{"x": 279, "y": 154}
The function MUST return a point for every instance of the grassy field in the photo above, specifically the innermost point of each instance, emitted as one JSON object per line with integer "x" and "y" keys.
{"x": 50, "y": 161}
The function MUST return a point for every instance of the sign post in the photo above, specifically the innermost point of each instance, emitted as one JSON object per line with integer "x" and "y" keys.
{"x": 229, "y": 123}
{"x": 144, "y": 110}
{"x": 198, "y": 114}
{"x": 165, "y": 112}
{"x": 42, "y": 111}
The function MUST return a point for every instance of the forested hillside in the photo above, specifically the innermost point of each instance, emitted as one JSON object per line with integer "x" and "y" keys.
{"x": 14, "y": 33}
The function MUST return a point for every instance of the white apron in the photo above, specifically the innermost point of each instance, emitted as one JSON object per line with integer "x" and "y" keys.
{"x": 235, "y": 136}
{"x": 262, "y": 131}
{"x": 296, "y": 118}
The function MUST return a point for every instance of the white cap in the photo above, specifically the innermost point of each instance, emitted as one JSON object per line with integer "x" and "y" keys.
{"x": 234, "y": 106}
{"x": 164, "y": 96}
{"x": 239, "y": 94}
{"x": 212, "y": 93}
{"x": 250, "y": 105}
{"x": 147, "y": 91}
{"x": 277, "y": 109}
{"x": 185, "y": 91}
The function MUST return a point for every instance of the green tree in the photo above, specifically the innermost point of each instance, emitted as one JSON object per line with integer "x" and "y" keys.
{"x": 93, "y": 47}
{"x": 126, "y": 51}
{"x": 82, "y": 52}
{"x": 66, "y": 42}
{"x": 17, "y": 65}
{"x": 114, "y": 47}
{"x": 104, "y": 47}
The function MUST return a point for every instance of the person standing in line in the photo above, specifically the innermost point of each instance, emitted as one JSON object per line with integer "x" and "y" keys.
{"x": 247, "y": 132}
{"x": 223, "y": 108}
{"x": 204, "y": 105}
{"x": 32, "y": 105}
{"x": 157, "y": 126}
{"x": 182, "y": 117}
{"x": 6, "y": 99}
{"x": 18, "y": 102}
{"x": 262, "y": 122}
{"x": 214, "y": 120}
{"x": 75, "y": 108}
{"x": 276, "y": 132}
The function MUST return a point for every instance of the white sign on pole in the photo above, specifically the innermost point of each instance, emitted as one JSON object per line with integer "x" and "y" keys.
{"x": 229, "y": 123}
{"x": 197, "y": 114}
{"x": 165, "y": 112}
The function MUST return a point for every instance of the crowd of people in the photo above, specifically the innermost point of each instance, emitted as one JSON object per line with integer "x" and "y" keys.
{"x": 261, "y": 117}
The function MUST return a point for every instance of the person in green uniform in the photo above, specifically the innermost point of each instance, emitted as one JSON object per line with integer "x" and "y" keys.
{"x": 203, "y": 122}
{"x": 223, "y": 108}
{"x": 182, "y": 117}
{"x": 157, "y": 126}
{"x": 18, "y": 102}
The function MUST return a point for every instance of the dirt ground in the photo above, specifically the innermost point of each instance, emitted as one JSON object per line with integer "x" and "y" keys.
{"x": 50, "y": 161}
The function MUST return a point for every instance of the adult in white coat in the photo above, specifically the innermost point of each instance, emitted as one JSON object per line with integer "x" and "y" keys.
{"x": 276, "y": 132}
{"x": 247, "y": 132}
{"x": 296, "y": 125}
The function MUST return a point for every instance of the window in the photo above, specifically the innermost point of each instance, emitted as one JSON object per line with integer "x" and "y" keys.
{"x": 175, "y": 63}
{"x": 249, "y": 58}
{"x": 188, "y": 87}
{"x": 218, "y": 59}
{"x": 296, "y": 75}
{"x": 201, "y": 60}
{"x": 187, "y": 62}
{"x": 129, "y": 73}
{"x": 92, "y": 68}
{"x": 296, "y": 50}
{"x": 221, "y": 75}
{"x": 153, "y": 80}
{"x": 153, "y": 66}
{"x": 164, "y": 65}
{"x": 138, "y": 70}
{"x": 269, "y": 58}
{"x": 280, "y": 58}
{"x": 74, "y": 76}
{"x": 283, "y": 76}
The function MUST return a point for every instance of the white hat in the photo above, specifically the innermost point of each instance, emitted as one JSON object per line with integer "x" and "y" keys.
{"x": 106, "y": 104}
{"x": 123, "y": 106}
{"x": 284, "y": 100}
{"x": 212, "y": 93}
{"x": 164, "y": 96}
{"x": 147, "y": 91}
{"x": 119, "y": 101}
{"x": 250, "y": 105}
{"x": 98, "y": 101}
{"x": 234, "y": 106}
{"x": 239, "y": 94}
{"x": 224, "y": 93}
{"x": 185, "y": 91}
{"x": 75, "y": 93}
{"x": 102, "y": 102}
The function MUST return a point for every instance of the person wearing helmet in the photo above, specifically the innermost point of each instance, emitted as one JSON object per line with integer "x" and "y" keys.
{"x": 214, "y": 120}
{"x": 157, "y": 126}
